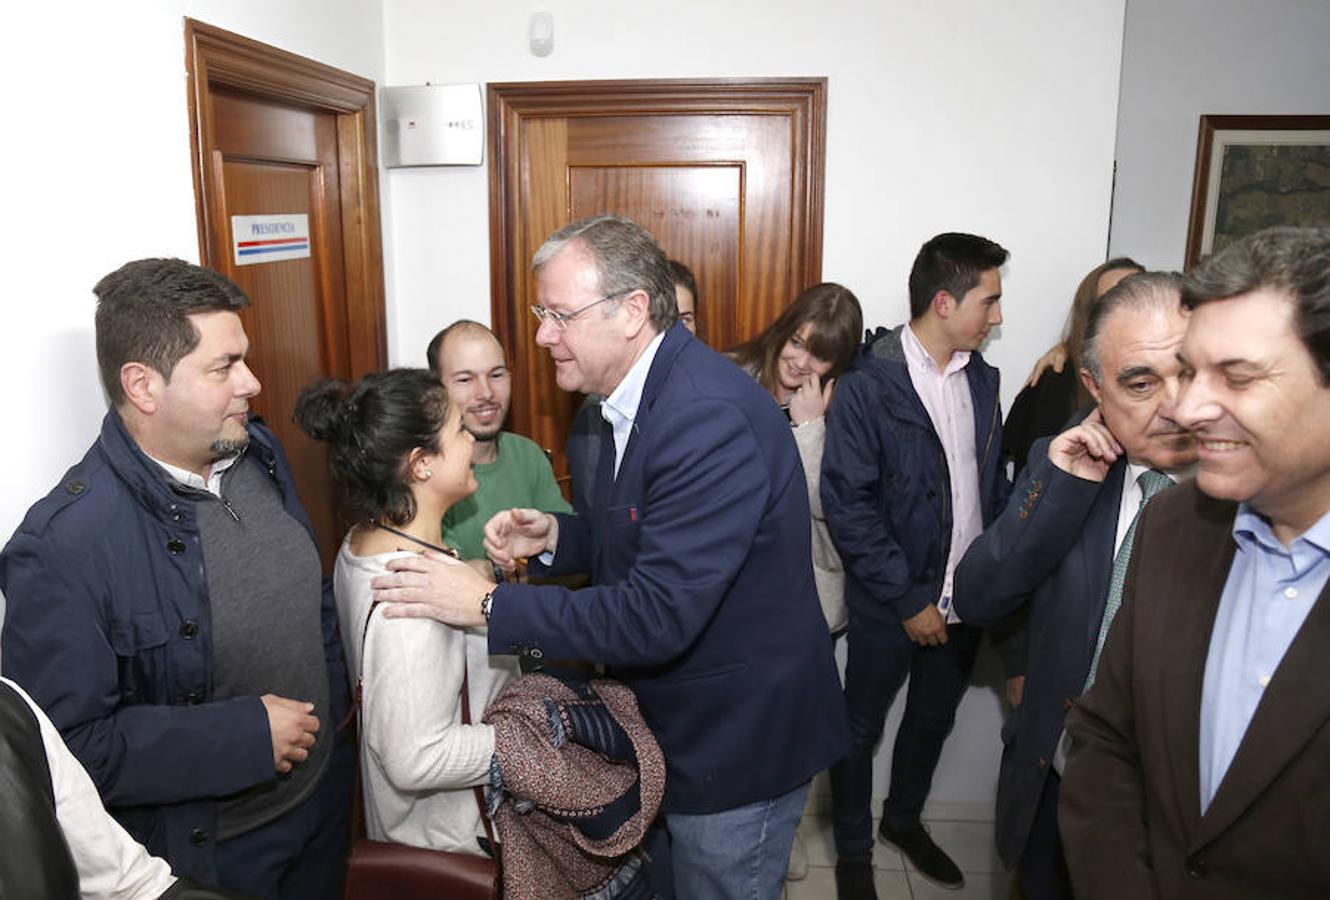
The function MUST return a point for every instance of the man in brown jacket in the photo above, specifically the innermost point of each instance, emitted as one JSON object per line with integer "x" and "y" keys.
{"x": 1200, "y": 764}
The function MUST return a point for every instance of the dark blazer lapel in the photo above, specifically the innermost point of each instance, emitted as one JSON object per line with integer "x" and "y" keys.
{"x": 1292, "y": 710}
{"x": 1187, "y": 597}
{"x": 674, "y": 341}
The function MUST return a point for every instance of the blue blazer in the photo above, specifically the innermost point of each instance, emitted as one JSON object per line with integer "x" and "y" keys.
{"x": 703, "y": 598}
{"x": 1052, "y": 548}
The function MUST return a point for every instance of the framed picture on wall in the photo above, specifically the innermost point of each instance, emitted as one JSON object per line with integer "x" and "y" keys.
{"x": 1256, "y": 171}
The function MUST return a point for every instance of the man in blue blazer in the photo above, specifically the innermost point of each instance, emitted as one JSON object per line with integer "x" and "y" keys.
{"x": 703, "y": 597}
{"x": 1055, "y": 546}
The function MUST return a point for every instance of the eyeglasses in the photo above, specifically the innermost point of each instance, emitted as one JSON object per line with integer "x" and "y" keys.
{"x": 561, "y": 320}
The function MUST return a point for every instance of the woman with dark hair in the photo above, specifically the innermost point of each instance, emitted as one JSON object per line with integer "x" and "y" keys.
{"x": 1054, "y": 391}
{"x": 403, "y": 456}
{"x": 797, "y": 359}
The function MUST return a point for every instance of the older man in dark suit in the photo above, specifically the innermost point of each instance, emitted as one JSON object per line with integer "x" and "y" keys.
{"x": 1062, "y": 545}
{"x": 1200, "y": 759}
{"x": 697, "y": 541}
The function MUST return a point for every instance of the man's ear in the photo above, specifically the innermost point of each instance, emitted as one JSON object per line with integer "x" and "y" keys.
{"x": 1091, "y": 387}
{"x": 141, "y": 384}
{"x": 637, "y": 306}
{"x": 943, "y": 304}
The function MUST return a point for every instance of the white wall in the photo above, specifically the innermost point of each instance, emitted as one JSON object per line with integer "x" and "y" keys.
{"x": 97, "y": 164}
{"x": 1185, "y": 58}
{"x": 963, "y": 115}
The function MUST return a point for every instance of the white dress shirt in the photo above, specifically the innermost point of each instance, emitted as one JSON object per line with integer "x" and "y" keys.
{"x": 620, "y": 407}
{"x": 110, "y": 863}
{"x": 212, "y": 484}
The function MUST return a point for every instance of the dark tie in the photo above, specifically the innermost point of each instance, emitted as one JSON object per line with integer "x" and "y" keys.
{"x": 1152, "y": 481}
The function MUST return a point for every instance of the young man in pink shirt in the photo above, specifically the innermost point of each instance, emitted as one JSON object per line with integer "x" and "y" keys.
{"x": 911, "y": 474}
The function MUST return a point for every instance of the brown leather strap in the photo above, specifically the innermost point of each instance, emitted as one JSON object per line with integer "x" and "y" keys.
{"x": 466, "y": 720}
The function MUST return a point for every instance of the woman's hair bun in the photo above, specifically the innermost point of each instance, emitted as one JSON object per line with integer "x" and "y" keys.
{"x": 322, "y": 409}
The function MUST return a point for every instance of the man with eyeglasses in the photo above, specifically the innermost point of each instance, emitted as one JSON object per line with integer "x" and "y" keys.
{"x": 697, "y": 540}
{"x": 583, "y": 446}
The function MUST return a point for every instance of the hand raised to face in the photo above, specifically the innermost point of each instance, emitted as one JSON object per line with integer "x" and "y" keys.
{"x": 1086, "y": 450}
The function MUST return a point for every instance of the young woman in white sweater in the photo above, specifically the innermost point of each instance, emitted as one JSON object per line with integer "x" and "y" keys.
{"x": 403, "y": 456}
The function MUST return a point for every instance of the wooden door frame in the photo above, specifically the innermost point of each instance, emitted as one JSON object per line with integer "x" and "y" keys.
{"x": 215, "y": 57}
{"x": 804, "y": 99}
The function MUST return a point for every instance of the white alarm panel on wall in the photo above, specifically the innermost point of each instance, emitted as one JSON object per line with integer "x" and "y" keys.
{"x": 433, "y": 125}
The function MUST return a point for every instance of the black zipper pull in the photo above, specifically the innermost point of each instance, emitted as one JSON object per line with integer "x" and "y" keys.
{"x": 229, "y": 508}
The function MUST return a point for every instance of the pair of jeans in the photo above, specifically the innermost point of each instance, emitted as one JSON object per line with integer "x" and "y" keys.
{"x": 736, "y": 854}
{"x": 879, "y": 656}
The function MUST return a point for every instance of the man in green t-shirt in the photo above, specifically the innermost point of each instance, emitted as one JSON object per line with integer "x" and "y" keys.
{"x": 511, "y": 470}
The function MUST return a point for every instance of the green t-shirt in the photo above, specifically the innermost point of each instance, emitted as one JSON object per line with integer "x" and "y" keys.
{"x": 521, "y": 476}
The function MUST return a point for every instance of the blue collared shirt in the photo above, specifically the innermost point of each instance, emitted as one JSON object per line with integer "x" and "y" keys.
{"x": 620, "y": 407}
{"x": 1270, "y": 590}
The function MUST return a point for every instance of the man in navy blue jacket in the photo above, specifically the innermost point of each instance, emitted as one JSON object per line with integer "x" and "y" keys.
{"x": 911, "y": 473}
{"x": 167, "y": 611}
{"x": 697, "y": 542}
{"x": 1055, "y": 544}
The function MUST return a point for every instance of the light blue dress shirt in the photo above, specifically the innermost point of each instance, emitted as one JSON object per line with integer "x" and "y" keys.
{"x": 1270, "y": 590}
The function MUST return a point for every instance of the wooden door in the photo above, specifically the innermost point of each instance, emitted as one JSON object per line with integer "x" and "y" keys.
{"x": 279, "y": 135}
{"x": 727, "y": 175}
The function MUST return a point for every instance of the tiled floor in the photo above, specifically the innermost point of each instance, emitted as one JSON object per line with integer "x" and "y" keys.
{"x": 970, "y": 844}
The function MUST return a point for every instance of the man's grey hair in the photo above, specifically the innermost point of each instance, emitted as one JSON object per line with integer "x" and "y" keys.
{"x": 1140, "y": 291}
{"x": 1291, "y": 261}
{"x": 627, "y": 258}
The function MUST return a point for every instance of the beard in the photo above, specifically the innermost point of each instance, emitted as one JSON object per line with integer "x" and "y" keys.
{"x": 486, "y": 437}
{"x": 224, "y": 447}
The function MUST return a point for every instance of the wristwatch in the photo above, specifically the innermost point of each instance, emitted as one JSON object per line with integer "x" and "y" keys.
{"x": 486, "y": 603}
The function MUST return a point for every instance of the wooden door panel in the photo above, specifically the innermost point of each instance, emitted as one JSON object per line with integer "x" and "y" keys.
{"x": 544, "y": 164}
{"x": 275, "y": 133}
{"x": 279, "y": 159}
{"x": 693, "y": 211}
{"x": 261, "y": 128}
{"x": 727, "y": 175}
{"x": 287, "y": 321}
{"x": 649, "y": 137}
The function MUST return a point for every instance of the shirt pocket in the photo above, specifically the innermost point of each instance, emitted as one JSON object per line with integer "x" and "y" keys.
{"x": 621, "y": 537}
{"x": 624, "y": 516}
{"x": 139, "y": 643}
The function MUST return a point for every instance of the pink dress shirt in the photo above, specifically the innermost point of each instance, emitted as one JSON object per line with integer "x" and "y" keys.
{"x": 946, "y": 395}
